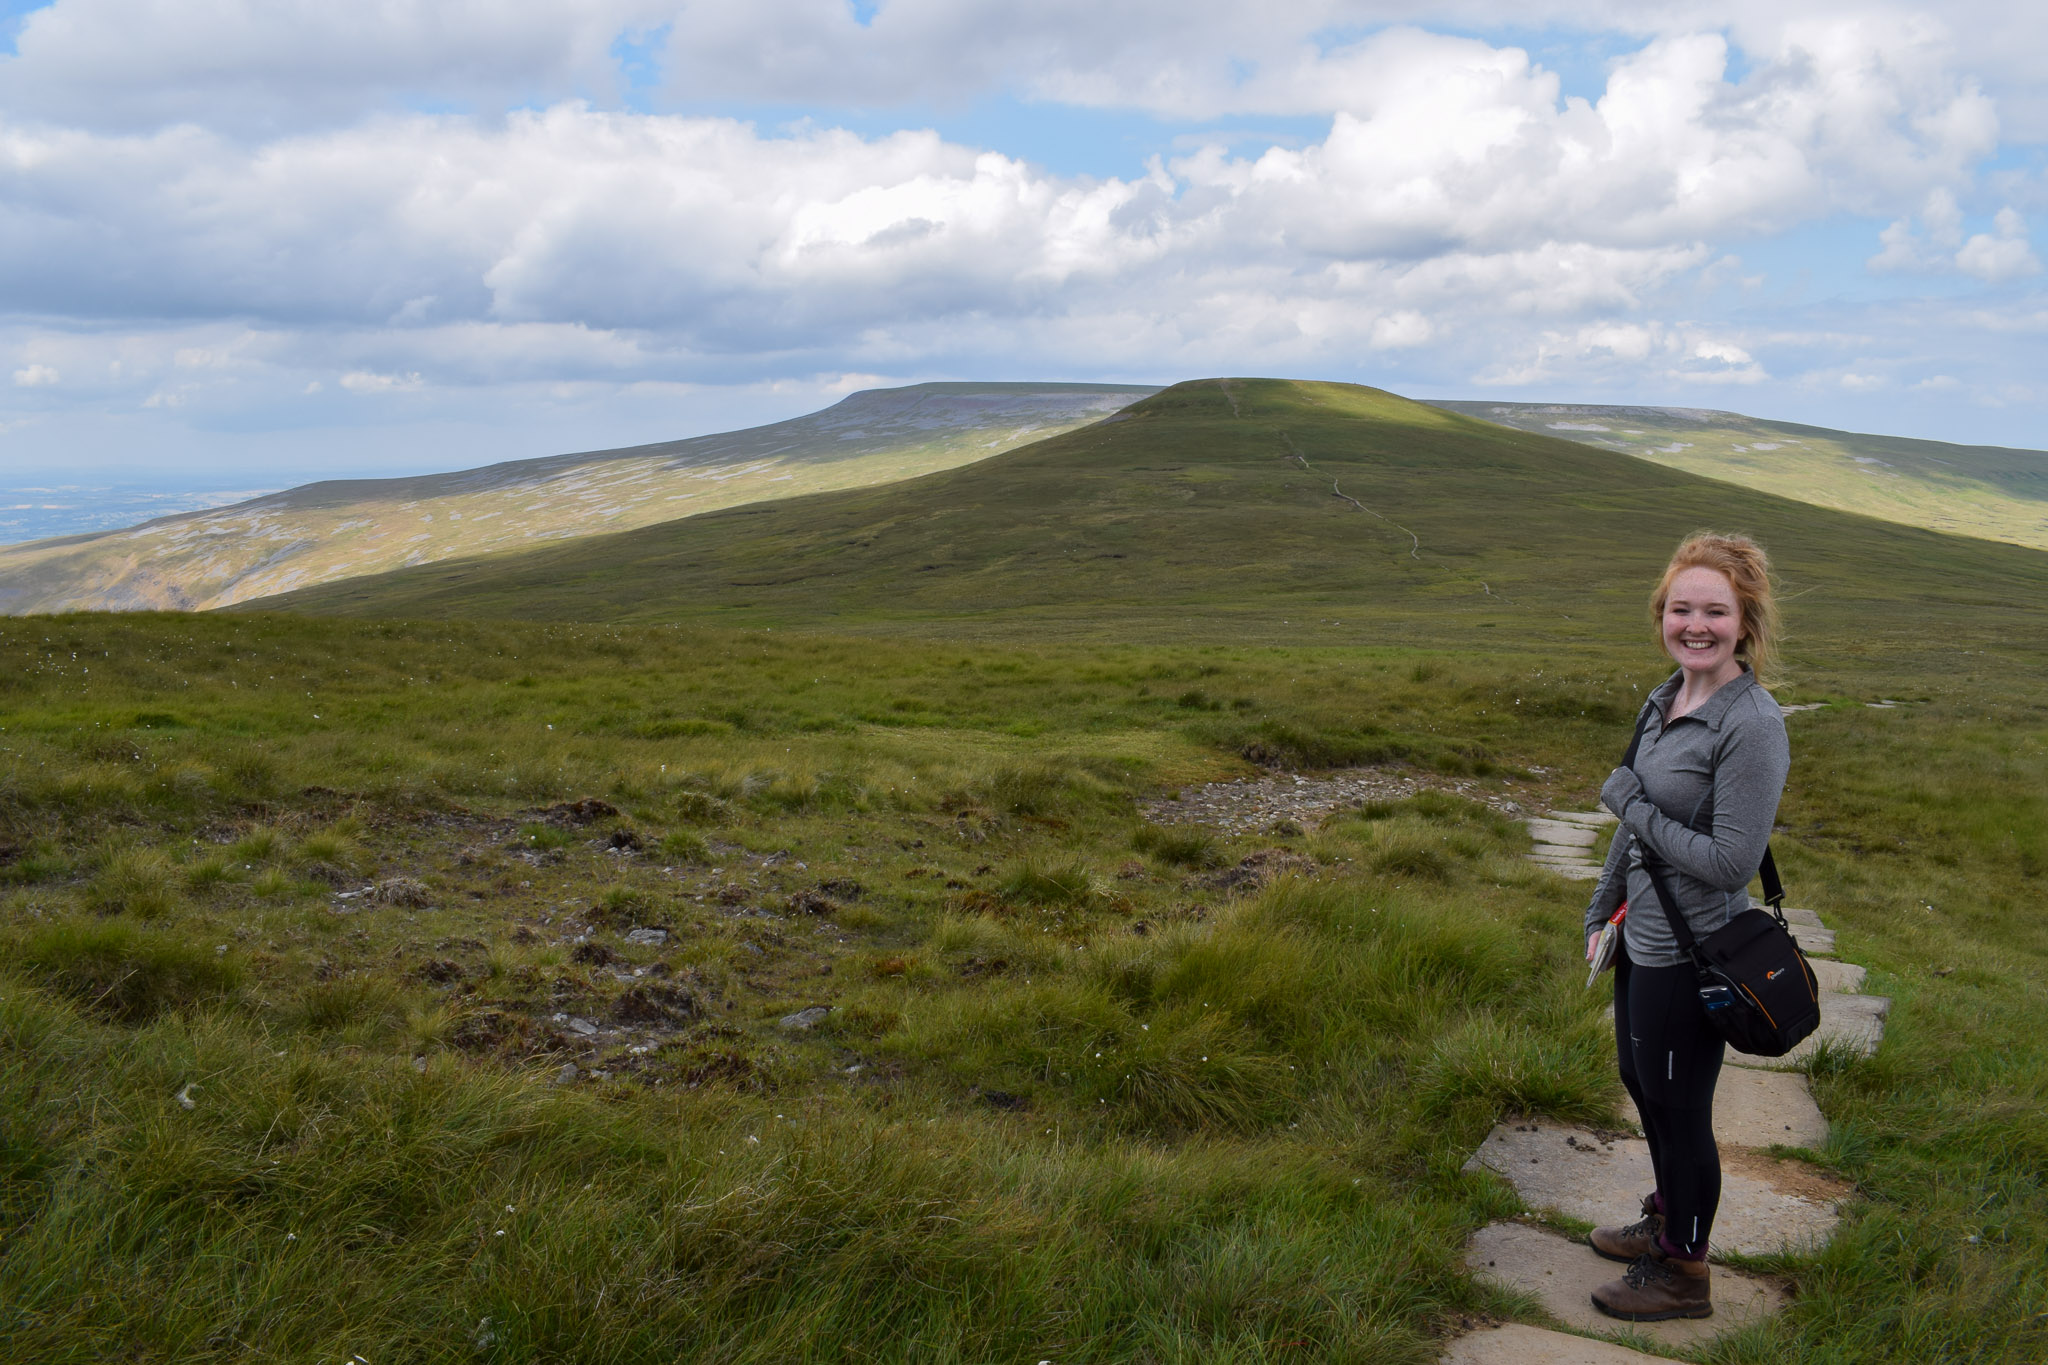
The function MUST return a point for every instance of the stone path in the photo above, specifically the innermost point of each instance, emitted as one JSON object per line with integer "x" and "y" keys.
{"x": 1768, "y": 1204}
{"x": 1522, "y": 1345}
{"x": 1564, "y": 841}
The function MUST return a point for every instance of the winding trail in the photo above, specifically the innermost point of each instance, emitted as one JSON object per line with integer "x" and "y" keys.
{"x": 1415, "y": 547}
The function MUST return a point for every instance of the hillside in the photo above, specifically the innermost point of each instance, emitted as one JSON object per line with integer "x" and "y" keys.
{"x": 1261, "y": 509}
{"x": 943, "y": 979}
{"x": 1993, "y": 492}
{"x": 325, "y": 531}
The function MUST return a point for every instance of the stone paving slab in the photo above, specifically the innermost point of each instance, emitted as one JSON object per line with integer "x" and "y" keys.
{"x": 1596, "y": 818}
{"x": 1516, "y": 1344}
{"x": 1562, "y": 832}
{"x": 1563, "y": 1274}
{"x": 1573, "y": 1172}
{"x": 1855, "y": 1022}
{"x": 1814, "y": 942}
{"x": 1754, "y": 1108}
{"x": 1843, "y": 978}
{"x": 1805, "y": 917}
{"x": 1584, "y": 872}
{"x": 1561, "y": 858}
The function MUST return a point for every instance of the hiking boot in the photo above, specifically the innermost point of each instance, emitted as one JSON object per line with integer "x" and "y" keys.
{"x": 1653, "y": 1289}
{"x": 1637, "y": 1239}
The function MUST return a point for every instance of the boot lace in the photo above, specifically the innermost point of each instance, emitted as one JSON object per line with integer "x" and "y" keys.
{"x": 1647, "y": 1270}
{"x": 1649, "y": 1225}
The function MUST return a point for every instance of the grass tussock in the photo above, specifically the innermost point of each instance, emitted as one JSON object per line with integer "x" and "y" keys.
{"x": 142, "y": 883}
{"x": 1178, "y": 845}
{"x": 1070, "y": 883}
{"x": 348, "y": 1003}
{"x": 125, "y": 972}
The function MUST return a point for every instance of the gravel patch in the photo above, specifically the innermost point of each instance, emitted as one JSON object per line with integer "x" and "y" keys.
{"x": 1256, "y": 804}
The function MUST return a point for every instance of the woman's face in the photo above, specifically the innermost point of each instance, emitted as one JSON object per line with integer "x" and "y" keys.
{"x": 1703, "y": 624}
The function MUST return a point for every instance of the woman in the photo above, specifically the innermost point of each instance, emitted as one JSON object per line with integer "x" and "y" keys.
{"x": 1700, "y": 799}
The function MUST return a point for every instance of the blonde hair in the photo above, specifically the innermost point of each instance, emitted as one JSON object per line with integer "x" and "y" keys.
{"x": 1748, "y": 570}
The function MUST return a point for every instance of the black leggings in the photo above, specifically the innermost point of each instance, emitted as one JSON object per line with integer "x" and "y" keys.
{"x": 1670, "y": 1058}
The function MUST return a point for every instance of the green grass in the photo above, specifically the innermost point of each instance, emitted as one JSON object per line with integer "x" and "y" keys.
{"x": 1059, "y": 1110}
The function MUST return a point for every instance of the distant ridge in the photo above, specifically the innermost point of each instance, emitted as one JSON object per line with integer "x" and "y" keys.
{"x": 1992, "y": 492}
{"x": 1246, "y": 510}
{"x": 320, "y": 532}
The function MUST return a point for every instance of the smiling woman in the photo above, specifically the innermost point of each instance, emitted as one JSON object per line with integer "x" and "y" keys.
{"x": 1699, "y": 798}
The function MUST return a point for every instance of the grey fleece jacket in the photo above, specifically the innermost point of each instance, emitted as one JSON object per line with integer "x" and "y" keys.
{"x": 1712, "y": 780}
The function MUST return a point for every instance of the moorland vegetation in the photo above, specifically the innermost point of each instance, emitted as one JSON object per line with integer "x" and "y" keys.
{"x": 799, "y": 978}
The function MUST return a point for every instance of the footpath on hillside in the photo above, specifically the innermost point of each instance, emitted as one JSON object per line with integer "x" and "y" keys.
{"x": 1764, "y": 1112}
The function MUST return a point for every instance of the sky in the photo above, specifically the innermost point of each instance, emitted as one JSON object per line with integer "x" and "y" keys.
{"x": 278, "y": 240}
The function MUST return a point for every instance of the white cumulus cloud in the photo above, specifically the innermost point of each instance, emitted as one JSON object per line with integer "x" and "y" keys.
{"x": 2002, "y": 254}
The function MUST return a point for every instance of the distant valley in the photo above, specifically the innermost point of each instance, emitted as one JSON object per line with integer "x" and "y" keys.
{"x": 343, "y": 529}
{"x": 44, "y": 511}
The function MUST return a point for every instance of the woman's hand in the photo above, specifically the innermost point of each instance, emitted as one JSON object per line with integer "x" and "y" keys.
{"x": 1622, "y": 787}
{"x": 1592, "y": 942}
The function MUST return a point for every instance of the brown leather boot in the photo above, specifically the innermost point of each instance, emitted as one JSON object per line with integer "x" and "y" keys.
{"x": 1654, "y": 1289}
{"x": 1637, "y": 1239}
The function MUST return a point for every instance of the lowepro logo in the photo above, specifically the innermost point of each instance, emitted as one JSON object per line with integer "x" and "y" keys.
{"x": 1773, "y": 976}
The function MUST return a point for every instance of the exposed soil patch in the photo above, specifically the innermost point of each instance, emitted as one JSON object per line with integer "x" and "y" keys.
{"x": 585, "y": 812}
{"x": 502, "y": 1032}
{"x": 1258, "y": 870}
{"x": 813, "y": 903}
{"x": 1788, "y": 1177}
{"x": 656, "y": 1004}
